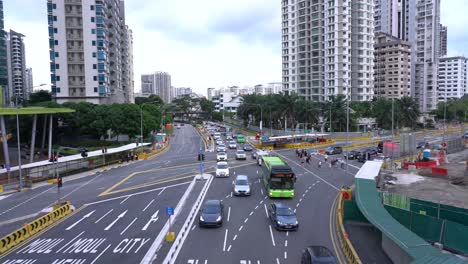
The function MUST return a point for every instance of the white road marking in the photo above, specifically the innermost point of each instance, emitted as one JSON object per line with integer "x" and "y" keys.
{"x": 286, "y": 243}
{"x": 229, "y": 248}
{"x": 303, "y": 194}
{"x": 297, "y": 205}
{"x": 231, "y": 194}
{"x": 161, "y": 191}
{"x": 245, "y": 221}
{"x": 294, "y": 210}
{"x": 261, "y": 201}
{"x": 70, "y": 242}
{"x": 225, "y": 238}
{"x": 256, "y": 207}
{"x": 229, "y": 213}
{"x": 277, "y": 261}
{"x": 272, "y": 238}
{"x": 115, "y": 221}
{"x": 131, "y": 223}
{"x": 206, "y": 261}
{"x": 149, "y": 204}
{"x": 81, "y": 219}
{"x": 285, "y": 255}
{"x": 240, "y": 228}
{"x": 153, "y": 219}
{"x": 251, "y": 213}
{"x": 101, "y": 254}
{"x": 261, "y": 191}
{"x": 125, "y": 199}
{"x": 193, "y": 227}
{"x": 5, "y": 196}
{"x": 266, "y": 210}
{"x": 287, "y": 233}
{"x": 32, "y": 198}
{"x": 104, "y": 216}
{"x": 235, "y": 237}
{"x": 300, "y": 200}
{"x": 143, "y": 192}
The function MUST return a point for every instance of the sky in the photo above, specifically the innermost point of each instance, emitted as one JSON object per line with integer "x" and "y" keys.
{"x": 205, "y": 43}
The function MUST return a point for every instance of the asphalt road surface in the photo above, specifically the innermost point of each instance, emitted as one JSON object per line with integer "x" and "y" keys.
{"x": 120, "y": 212}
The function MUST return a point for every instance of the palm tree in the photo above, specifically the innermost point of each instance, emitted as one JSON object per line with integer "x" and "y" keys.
{"x": 408, "y": 111}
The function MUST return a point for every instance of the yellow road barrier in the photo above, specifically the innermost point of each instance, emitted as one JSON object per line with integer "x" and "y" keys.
{"x": 1, "y": 188}
{"x": 29, "y": 229}
{"x": 346, "y": 245}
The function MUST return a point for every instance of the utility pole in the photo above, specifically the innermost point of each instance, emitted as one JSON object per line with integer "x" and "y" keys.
{"x": 19, "y": 144}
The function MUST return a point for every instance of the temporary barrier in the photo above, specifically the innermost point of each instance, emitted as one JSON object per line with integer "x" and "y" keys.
{"x": 421, "y": 164}
{"x": 33, "y": 227}
{"x": 346, "y": 245}
{"x": 440, "y": 171}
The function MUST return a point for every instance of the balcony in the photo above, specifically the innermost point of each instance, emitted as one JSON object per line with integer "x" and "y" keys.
{"x": 74, "y": 25}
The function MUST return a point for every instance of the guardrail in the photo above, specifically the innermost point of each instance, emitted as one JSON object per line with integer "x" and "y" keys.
{"x": 29, "y": 229}
{"x": 346, "y": 245}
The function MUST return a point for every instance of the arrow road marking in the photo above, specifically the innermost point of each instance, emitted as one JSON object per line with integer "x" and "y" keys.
{"x": 153, "y": 219}
{"x": 115, "y": 221}
{"x": 77, "y": 222}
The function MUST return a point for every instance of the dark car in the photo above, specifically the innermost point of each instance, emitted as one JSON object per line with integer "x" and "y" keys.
{"x": 247, "y": 147}
{"x": 282, "y": 217}
{"x": 352, "y": 154}
{"x": 372, "y": 151}
{"x": 317, "y": 255}
{"x": 365, "y": 156}
{"x": 334, "y": 150}
{"x": 211, "y": 214}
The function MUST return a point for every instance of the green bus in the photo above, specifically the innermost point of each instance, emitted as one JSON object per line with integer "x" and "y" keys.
{"x": 240, "y": 138}
{"x": 278, "y": 177}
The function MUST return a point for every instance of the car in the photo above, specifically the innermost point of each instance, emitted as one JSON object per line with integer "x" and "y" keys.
{"x": 221, "y": 148}
{"x": 371, "y": 151}
{"x": 219, "y": 142}
{"x": 352, "y": 154}
{"x": 232, "y": 145}
{"x": 317, "y": 255}
{"x": 178, "y": 126}
{"x": 240, "y": 154}
{"x": 258, "y": 153}
{"x": 211, "y": 214}
{"x": 228, "y": 136}
{"x": 217, "y": 135}
{"x": 222, "y": 169}
{"x": 365, "y": 156}
{"x": 247, "y": 147}
{"x": 334, "y": 150}
{"x": 221, "y": 156}
{"x": 466, "y": 135}
{"x": 282, "y": 217}
{"x": 241, "y": 186}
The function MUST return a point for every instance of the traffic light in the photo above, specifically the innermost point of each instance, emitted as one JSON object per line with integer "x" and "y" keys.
{"x": 199, "y": 157}
{"x": 203, "y": 156}
{"x": 59, "y": 182}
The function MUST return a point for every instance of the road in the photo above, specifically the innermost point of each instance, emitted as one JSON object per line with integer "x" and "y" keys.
{"x": 120, "y": 212}
{"x": 247, "y": 235}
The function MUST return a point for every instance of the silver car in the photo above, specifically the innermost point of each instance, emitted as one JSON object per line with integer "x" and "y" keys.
{"x": 240, "y": 155}
{"x": 241, "y": 186}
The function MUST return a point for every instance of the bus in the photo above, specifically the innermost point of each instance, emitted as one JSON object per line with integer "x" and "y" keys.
{"x": 240, "y": 138}
{"x": 278, "y": 177}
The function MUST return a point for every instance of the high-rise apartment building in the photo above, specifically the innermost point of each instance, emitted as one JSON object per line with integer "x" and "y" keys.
{"x": 127, "y": 60}
{"x": 415, "y": 21}
{"x": 443, "y": 41}
{"x": 210, "y": 92}
{"x": 3, "y": 60}
{"x": 392, "y": 66}
{"x": 158, "y": 83}
{"x": 328, "y": 48}
{"x": 16, "y": 58}
{"x": 182, "y": 91}
{"x": 88, "y": 41}
{"x": 29, "y": 81}
{"x": 452, "y": 78}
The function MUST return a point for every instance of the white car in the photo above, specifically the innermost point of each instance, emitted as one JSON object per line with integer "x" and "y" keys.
{"x": 232, "y": 145}
{"x": 228, "y": 137}
{"x": 219, "y": 142}
{"x": 221, "y": 148}
{"x": 221, "y": 156}
{"x": 240, "y": 154}
{"x": 222, "y": 169}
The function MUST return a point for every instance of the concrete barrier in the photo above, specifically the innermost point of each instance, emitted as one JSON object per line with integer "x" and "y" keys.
{"x": 29, "y": 229}
{"x": 346, "y": 245}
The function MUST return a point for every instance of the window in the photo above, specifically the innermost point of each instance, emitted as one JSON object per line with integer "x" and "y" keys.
{"x": 95, "y": 88}
{"x": 56, "y": 54}
{"x": 93, "y": 43}
{"x": 93, "y": 31}
{"x": 94, "y": 78}
{"x": 94, "y": 66}
{"x": 92, "y": 7}
{"x": 56, "y": 42}
{"x": 94, "y": 54}
{"x": 92, "y": 19}
{"x": 55, "y": 18}
{"x": 57, "y": 78}
{"x": 57, "y": 66}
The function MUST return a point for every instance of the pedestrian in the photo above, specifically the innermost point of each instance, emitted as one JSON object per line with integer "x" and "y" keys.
{"x": 102, "y": 149}
{"x": 342, "y": 164}
{"x": 320, "y": 164}
{"x": 308, "y": 160}
{"x": 297, "y": 152}
{"x": 325, "y": 157}
{"x": 303, "y": 160}
{"x": 105, "y": 149}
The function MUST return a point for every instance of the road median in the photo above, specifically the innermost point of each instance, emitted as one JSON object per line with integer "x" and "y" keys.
{"x": 18, "y": 236}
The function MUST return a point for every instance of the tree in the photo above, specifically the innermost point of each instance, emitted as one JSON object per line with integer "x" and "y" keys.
{"x": 39, "y": 97}
{"x": 406, "y": 112}
{"x": 382, "y": 112}
{"x": 155, "y": 99}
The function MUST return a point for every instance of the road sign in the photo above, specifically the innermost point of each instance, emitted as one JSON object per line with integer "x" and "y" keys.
{"x": 202, "y": 166}
{"x": 169, "y": 210}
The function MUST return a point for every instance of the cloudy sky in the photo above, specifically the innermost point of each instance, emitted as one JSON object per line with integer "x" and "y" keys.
{"x": 207, "y": 43}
